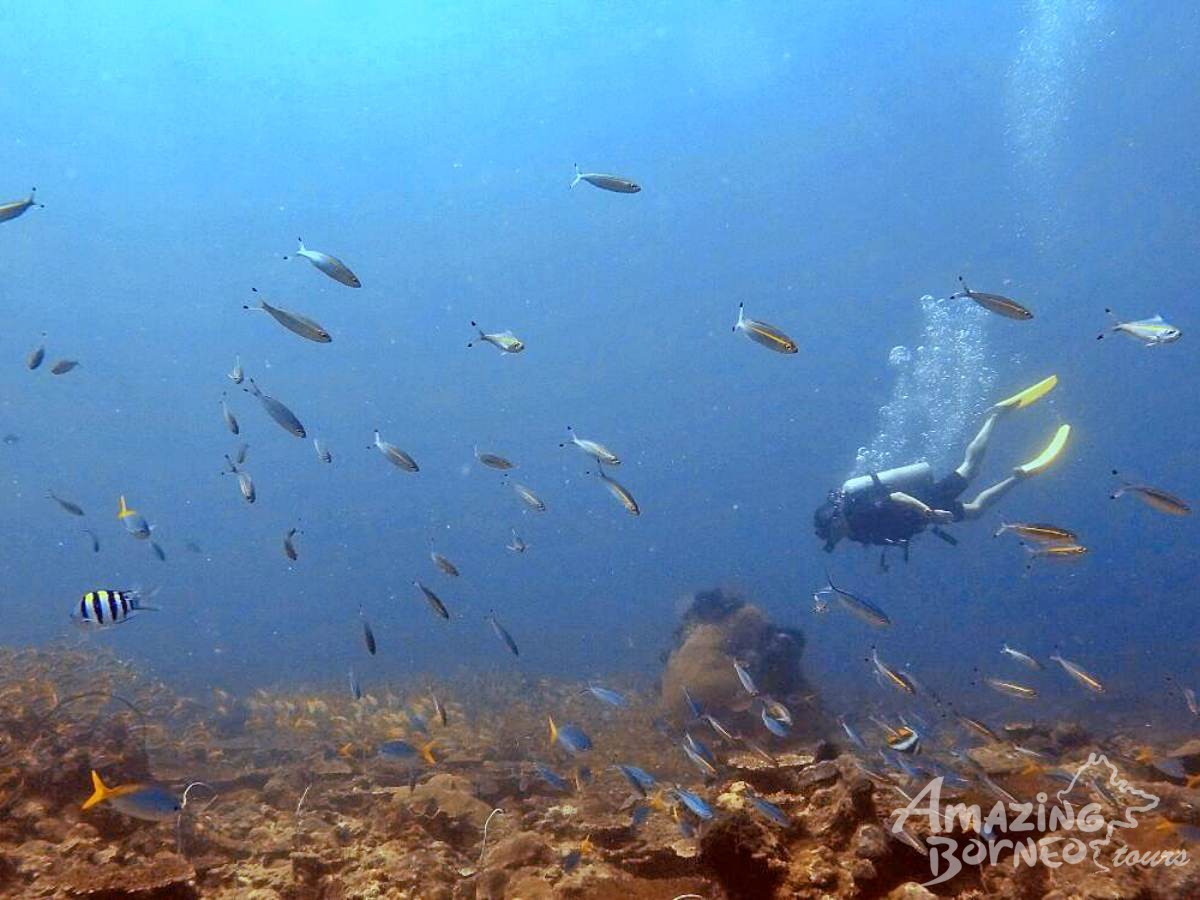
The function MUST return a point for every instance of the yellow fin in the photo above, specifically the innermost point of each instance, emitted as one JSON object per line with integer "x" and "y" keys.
{"x": 553, "y": 730}
{"x": 427, "y": 754}
{"x": 125, "y": 512}
{"x": 1024, "y": 398}
{"x": 1047, "y": 456}
{"x": 99, "y": 792}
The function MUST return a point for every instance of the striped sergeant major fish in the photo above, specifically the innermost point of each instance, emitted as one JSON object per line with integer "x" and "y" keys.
{"x": 100, "y": 609}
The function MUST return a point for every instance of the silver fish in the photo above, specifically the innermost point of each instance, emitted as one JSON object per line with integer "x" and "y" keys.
{"x": 395, "y": 455}
{"x": 1151, "y": 332}
{"x": 598, "y": 452}
{"x": 504, "y": 340}
{"x": 236, "y": 375}
{"x": 502, "y": 633}
{"x": 231, "y": 421}
{"x": 857, "y": 606}
{"x": 63, "y": 366}
{"x": 517, "y": 544}
{"x": 240, "y": 456}
{"x": 1080, "y": 674}
{"x": 245, "y": 482}
{"x": 323, "y": 453}
{"x": 606, "y": 182}
{"x": 14, "y": 208}
{"x": 444, "y": 564}
{"x": 289, "y": 546}
{"x": 532, "y": 500}
{"x": 283, "y": 416}
{"x": 622, "y": 494}
{"x": 435, "y": 602}
{"x": 1001, "y": 306}
{"x": 762, "y": 333}
{"x": 1023, "y": 658}
{"x": 293, "y": 322}
{"x": 330, "y": 265}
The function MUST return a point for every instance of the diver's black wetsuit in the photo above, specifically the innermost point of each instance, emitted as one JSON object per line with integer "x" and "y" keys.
{"x": 872, "y": 517}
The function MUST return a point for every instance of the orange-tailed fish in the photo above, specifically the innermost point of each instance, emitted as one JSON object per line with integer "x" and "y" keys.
{"x": 151, "y": 802}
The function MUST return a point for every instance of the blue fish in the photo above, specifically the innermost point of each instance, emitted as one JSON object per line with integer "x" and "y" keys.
{"x": 770, "y": 810}
{"x": 851, "y": 733}
{"x": 693, "y": 706}
{"x": 404, "y": 750}
{"x": 150, "y": 802}
{"x": 706, "y": 768}
{"x": 699, "y": 748}
{"x": 775, "y": 726}
{"x": 355, "y": 687}
{"x": 694, "y": 802}
{"x": 640, "y": 815}
{"x": 606, "y": 695}
{"x": 745, "y": 679}
{"x": 641, "y": 780}
{"x": 571, "y": 737}
{"x": 552, "y": 778}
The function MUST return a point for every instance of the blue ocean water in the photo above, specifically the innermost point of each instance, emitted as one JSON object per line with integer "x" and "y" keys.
{"x": 827, "y": 165}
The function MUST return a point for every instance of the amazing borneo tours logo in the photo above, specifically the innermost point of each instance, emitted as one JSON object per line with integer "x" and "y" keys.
{"x": 1052, "y": 833}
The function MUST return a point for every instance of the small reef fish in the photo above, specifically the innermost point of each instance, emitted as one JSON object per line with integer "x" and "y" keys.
{"x": 777, "y": 710}
{"x": 1080, "y": 674}
{"x": 159, "y": 552}
{"x": 606, "y": 182}
{"x": 762, "y": 333}
{"x": 529, "y": 498}
{"x": 745, "y": 678}
{"x": 504, "y": 340}
{"x": 552, "y": 778}
{"x": 395, "y": 455}
{"x": 330, "y": 265}
{"x": 861, "y": 609}
{"x": 619, "y": 491}
{"x": 1152, "y": 497}
{"x": 289, "y": 546}
{"x": 597, "y": 451}
{"x": 693, "y": 707}
{"x": 851, "y": 733}
{"x": 355, "y": 687}
{"x": 322, "y": 451}
{"x": 694, "y": 802}
{"x": 244, "y": 481}
{"x": 14, "y": 208}
{"x": 707, "y": 769}
{"x": 36, "y": 355}
{"x": 606, "y": 695}
{"x": 904, "y": 740}
{"x": 231, "y": 421}
{"x": 73, "y": 508}
{"x": 501, "y": 632}
{"x": 236, "y": 374}
{"x": 240, "y": 456}
{"x": 517, "y": 544}
{"x": 1189, "y": 697}
{"x": 150, "y": 802}
{"x": 571, "y": 861}
{"x": 1011, "y": 688}
{"x": 63, "y": 366}
{"x": 293, "y": 322}
{"x": 776, "y": 726}
{"x": 95, "y": 539}
{"x": 133, "y": 521}
{"x": 716, "y": 726}
{"x": 492, "y": 461}
{"x": 570, "y": 737}
{"x": 403, "y": 750}
{"x": 769, "y": 810}
{"x": 368, "y": 634}
{"x": 1023, "y": 658}
{"x": 639, "y": 779}
{"x": 434, "y": 601}
{"x": 1058, "y": 552}
{"x": 1150, "y": 332}
{"x": 104, "y": 608}
{"x": 444, "y": 564}
{"x": 283, "y": 416}
{"x": 897, "y": 679}
{"x": 1036, "y": 531}
{"x": 438, "y": 710}
{"x": 1001, "y": 306}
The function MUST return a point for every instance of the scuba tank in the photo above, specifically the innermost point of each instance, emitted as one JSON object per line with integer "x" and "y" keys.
{"x": 914, "y": 480}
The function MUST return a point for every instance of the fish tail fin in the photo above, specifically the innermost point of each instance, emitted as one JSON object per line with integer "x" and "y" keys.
{"x": 1004, "y": 526}
{"x": 553, "y": 730}
{"x": 741, "y": 319}
{"x": 125, "y": 512}
{"x": 427, "y": 754}
{"x": 302, "y": 248}
{"x": 578, "y": 176}
{"x": 965, "y": 292}
{"x": 100, "y": 792}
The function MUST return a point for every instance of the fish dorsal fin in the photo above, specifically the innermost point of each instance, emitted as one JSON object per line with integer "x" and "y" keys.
{"x": 1157, "y": 319}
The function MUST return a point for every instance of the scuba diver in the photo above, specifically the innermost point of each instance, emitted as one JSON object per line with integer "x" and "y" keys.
{"x": 890, "y": 508}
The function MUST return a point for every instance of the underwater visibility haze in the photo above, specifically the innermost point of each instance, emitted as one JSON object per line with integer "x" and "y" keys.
{"x": 415, "y": 412}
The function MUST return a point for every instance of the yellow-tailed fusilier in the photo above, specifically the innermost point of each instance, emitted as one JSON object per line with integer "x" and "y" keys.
{"x": 1001, "y": 306}
{"x": 293, "y": 322}
{"x": 101, "y": 609}
{"x": 504, "y": 340}
{"x": 14, "y": 208}
{"x": 135, "y": 523}
{"x": 762, "y": 333}
{"x": 330, "y": 265}
{"x": 1151, "y": 332}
